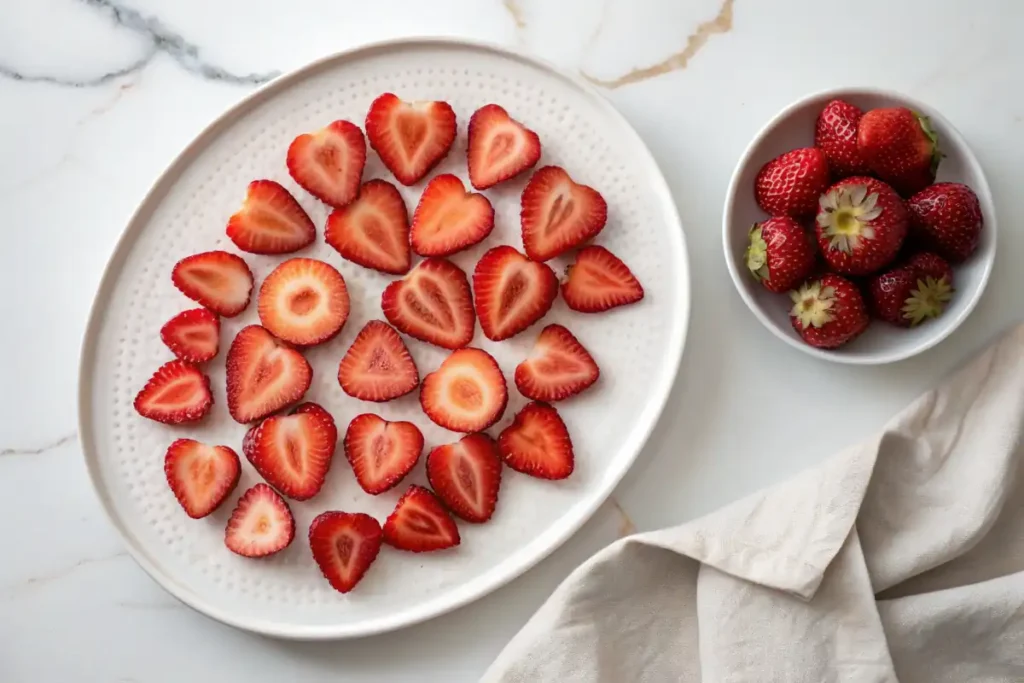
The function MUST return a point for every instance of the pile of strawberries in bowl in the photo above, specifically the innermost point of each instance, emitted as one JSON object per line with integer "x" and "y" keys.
{"x": 854, "y": 231}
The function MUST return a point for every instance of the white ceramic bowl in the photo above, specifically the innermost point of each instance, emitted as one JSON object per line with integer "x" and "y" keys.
{"x": 881, "y": 343}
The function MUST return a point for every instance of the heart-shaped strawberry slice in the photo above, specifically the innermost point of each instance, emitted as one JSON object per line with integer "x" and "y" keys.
{"x": 294, "y": 452}
{"x": 449, "y": 219}
{"x": 511, "y": 292}
{"x": 558, "y": 214}
{"x": 264, "y": 375}
{"x": 328, "y": 163}
{"x": 410, "y": 137}
{"x": 499, "y": 147}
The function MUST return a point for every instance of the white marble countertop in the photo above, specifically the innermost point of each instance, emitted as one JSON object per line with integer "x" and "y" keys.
{"x": 97, "y": 97}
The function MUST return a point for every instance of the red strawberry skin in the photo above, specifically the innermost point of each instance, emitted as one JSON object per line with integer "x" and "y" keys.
{"x": 381, "y": 453}
{"x": 511, "y": 292}
{"x": 270, "y": 221}
{"x": 790, "y": 184}
{"x": 829, "y": 312}
{"x": 781, "y": 254}
{"x": 193, "y": 335}
{"x": 200, "y": 476}
{"x": 948, "y": 217}
{"x": 420, "y": 523}
{"x": 927, "y": 264}
{"x": 900, "y": 147}
{"x": 410, "y": 138}
{"x": 294, "y": 452}
{"x": 260, "y": 525}
{"x": 328, "y": 163}
{"x": 466, "y": 476}
{"x": 432, "y": 303}
{"x": 264, "y": 375}
{"x": 500, "y": 147}
{"x": 537, "y": 443}
{"x": 599, "y": 281}
{"x": 373, "y": 231}
{"x": 558, "y": 367}
{"x": 217, "y": 280}
{"x": 449, "y": 219}
{"x": 558, "y": 214}
{"x": 889, "y": 293}
{"x": 176, "y": 393}
{"x": 344, "y": 545}
{"x": 861, "y": 225}
{"x": 835, "y": 134}
{"x": 378, "y": 366}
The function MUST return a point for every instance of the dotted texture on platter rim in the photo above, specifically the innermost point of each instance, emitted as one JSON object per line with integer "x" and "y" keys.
{"x": 637, "y": 347}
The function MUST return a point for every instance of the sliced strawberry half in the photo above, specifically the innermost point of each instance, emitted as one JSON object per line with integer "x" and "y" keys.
{"x": 270, "y": 221}
{"x": 261, "y": 524}
{"x": 304, "y": 302}
{"x": 344, "y": 545}
{"x": 381, "y": 452}
{"x": 466, "y": 476}
{"x": 449, "y": 219}
{"x": 432, "y": 303}
{"x": 511, "y": 292}
{"x": 294, "y": 452}
{"x": 598, "y": 280}
{"x": 499, "y": 147}
{"x": 177, "y": 392}
{"x": 373, "y": 231}
{"x": 410, "y": 137}
{"x": 467, "y": 393}
{"x": 420, "y": 523}
{"x": 218, "y": 280}
{"x": 263, "y": 375}
{"x": 558, "y": 214}
{"x": 200, "y": 476}
{"x": 558, "y": 367}
{"x": 193, "y": 335}
{"x": 537, "y": 443}
{"x": 328, "y": 164}
{"x": 378, "y": 367}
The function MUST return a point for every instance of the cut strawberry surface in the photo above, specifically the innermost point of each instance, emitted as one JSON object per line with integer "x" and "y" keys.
{"x": 263, "y": 375}
{"x": 217, "y": 280}
{"x": 410, "y": 137}
{"x": 449, "y": 219}
{"x": 193, "y": 335}
{"x": 378, "y": 367}
{"x": 177, "y": 392}
{"x": 432, "y": 303}
{"x": 558, "y": 214}
{"x": 261, "y": 524}
{"x": 328, "y": 164}
{"x": 304, "y": 302}
{"x": 511, "y": 292}
{"x": 420, "y": 523}
{"x": 294, "y": 452}
{"x": 381, "y": 453}
{"x": 558, "y": 367}
{"x": 200, "y": 476}
{"x": 598, "y": 280}
{"x": 499, "y": 147}
{"x": 270, "y": 221}
{"x": 537, "y": 443}
{"x": 373, "y": 231}
{"x": 466, "y": 476}
{"x": 467, "y": 393}
{"x": 344, "y": 545}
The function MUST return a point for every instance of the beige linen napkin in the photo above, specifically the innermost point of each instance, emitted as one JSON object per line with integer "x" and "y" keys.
{"x": 901, "y": 559}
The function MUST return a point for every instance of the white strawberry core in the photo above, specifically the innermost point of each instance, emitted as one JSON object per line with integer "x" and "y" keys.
{"x": 845, "y": 215}
{"x": 812, "y": 304}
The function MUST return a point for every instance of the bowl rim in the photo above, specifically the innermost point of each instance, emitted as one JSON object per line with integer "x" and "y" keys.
{"x": 983, "y": 192}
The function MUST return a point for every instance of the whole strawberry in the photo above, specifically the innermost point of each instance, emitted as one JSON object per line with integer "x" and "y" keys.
{"x": 948, "y": 217}
{"x": 860, "y": 226}
{"x": 900, "y": 147}
{"x": 906, "y": 296}
{"x": 828, "y": 312}
{"x": 836, "y": 135}
{"x": 780, "y": 254}
{"x": 789, "y": 185}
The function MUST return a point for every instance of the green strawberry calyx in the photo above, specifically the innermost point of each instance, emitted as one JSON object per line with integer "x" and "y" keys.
{"x": 845, "y": 215}
{"x": 928, "y": 300}
{"x": 933, "y": 138}
{"x": 757, "y": 254}
{"x": 812, "y": 304}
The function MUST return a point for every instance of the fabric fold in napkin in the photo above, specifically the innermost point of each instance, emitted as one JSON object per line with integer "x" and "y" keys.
{"x": 899, "y": 559}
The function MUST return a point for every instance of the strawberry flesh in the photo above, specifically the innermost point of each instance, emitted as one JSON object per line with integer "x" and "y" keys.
{"x": 467, "y": 393}
{"x": 328, "y": 163}
{"x": 410, "y": 137}
{"x": 200, "y": 476}
{"x": 537, "y": 443}
{"x": 558, "y": 214}
{"x": 304, "y": 302}
{"x": 270, "y": 221}
{"x": 261, "y": 524}
{"x": 466, "y": 476}
{"x": 177, "y": 392}
{"x": 381, "y": 453}
{"x": 217, "y": 280}
{"x": 193, "y": 335}
{"x": 499, "y": 147}
{"x": 378, "y": 367}
{"x": 790, "y": 184}
{"x": 264, "y": 375}
{"x": 294, "y": 452}
{"x": 449, "y": 219}
{"x": 420, "y": 523}
{"x": 558, "y": 367}
{"x": 511, "y": 292}
{"x": 373, "y": 231}
{"x": 344, "y": 545}
{"x": 432, "y": 303}
{"x": 598, "y": 281}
